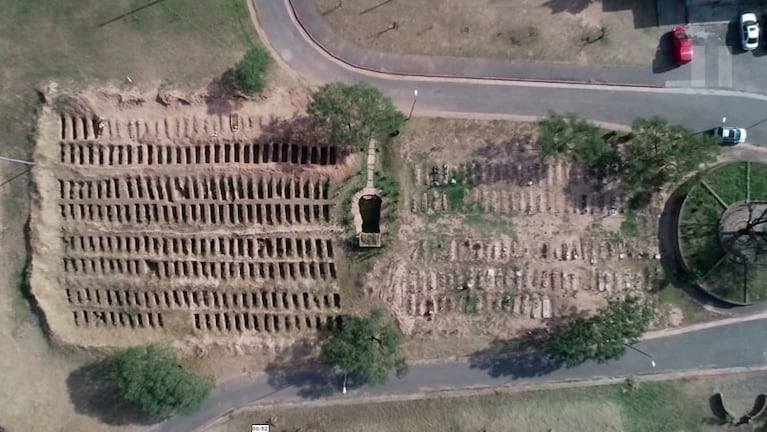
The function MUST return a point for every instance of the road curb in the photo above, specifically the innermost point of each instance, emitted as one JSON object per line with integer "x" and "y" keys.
{"x": 485, "y": 391}
{"x": 297, "y": 18}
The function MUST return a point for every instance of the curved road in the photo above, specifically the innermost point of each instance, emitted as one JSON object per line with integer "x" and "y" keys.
{"x": 699, "y": 109}
{"x": 741, "y": 344}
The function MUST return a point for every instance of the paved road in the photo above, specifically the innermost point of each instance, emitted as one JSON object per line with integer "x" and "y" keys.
{"x": 699, "y": 109}
{"x": 720, "y": 63}
{"x": 735, "y": 345}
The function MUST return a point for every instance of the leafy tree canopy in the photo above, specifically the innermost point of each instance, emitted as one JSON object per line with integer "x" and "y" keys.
{"x": 367, "y": 346}
{"x": 659, "y": 153}
{"x": 603, "y": 336}
{"x": 355, "y": 113}
{"x": 152, "y": 376}
{"x": 570, "y": 134}
{"x": 250, "y": 72}
{"x": 654, "y": 154}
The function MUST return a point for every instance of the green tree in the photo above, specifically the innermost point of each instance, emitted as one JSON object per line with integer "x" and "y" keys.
{"x": 603, "y": 336}
{"x": 660, "y": 153}
{"x": 571, "y": 135}
{"x": 152, "y": 376}
{"x": 366, "y": 345}
{"x": 250, "y": 71}
{"x": 355, "y": 113}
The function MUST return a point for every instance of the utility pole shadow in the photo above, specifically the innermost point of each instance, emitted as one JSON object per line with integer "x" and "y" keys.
{"x": 119, "y": 17}
{"x": 372, "y": 8}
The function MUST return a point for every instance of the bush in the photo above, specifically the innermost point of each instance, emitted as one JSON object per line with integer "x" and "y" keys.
{"x": 250, "y": 72}
{"x": 366, "y": 345}
{"x": 355, "y": 113}
{"x": 601, "y": 337}
{"x": 152, "y": 376}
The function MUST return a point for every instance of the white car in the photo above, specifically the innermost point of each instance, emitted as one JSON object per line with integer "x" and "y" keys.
{"x": 731, "y": 135}
{"x": 749, "y": 31}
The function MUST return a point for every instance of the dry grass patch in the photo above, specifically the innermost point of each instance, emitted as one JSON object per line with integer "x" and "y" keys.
{"x": 182, "y": 43}
{"x": 670, "y": 406}
{"x": 600, "y": 32}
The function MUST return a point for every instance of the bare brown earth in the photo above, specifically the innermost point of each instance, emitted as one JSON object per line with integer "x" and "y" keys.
{"x": 187, "y": 219}
{"x": 532, "y": 242}
{"x": 537, "y": 30}
{"x": 204, "y": 223}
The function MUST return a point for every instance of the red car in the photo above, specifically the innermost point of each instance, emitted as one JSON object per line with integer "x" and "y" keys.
{"x": 682, "y": 45}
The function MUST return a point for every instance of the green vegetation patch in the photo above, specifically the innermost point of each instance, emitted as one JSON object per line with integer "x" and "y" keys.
{"x": 635, "y": 224}
{"x": 490, "y": 225}
{"x": 734, "y": 281}
{"x": 699, "y": 230}
{"x": 758, "y": 181}
{"x": 455, "y": 190}
{"x": 729, "y": 182}
{"x": 659, "y": 407}
{"x": 727, "y": 280}
{"x": 724, "y": 273}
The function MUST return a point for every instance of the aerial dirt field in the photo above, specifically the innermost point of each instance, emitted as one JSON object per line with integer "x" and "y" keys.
{"x": 495, "y": 242}
{"x": 532, "y": 30}
{"x": 166, "y": 218}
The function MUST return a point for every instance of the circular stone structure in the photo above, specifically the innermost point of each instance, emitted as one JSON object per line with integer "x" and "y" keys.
{"x": 722, "y": 232}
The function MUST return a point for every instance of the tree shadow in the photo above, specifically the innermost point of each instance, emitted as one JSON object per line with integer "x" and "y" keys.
{"x": 297, "y": 142}
{"x": 512, "y": 160}
{"x": 516, "y": 358}
{"x": 222, "y": 97}
{"x": 590, "y": 193}
{"x": 299, "y": 368}
{"x": 644, "y": 15}
{"x": 569, "y": 6}
{"x": 95, "y": 394}
{"x": 300, "y": 129}
{"x": 509, "y": 147}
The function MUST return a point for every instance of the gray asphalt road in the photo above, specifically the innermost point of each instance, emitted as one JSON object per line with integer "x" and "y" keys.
{"x": 720, "y": 62}
{"x": 736, "y": 345}
{"x": 699, "y": 109}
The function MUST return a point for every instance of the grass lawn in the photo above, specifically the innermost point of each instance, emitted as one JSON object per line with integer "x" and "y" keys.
{"x": 730, "y": 182}
{"x": 181, "y": 43}
{"x": 699, "y": 230}
{"x": 670, "y": 406}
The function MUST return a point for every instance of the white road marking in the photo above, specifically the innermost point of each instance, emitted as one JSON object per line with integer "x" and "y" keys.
{"x": 685, "y": 83}
{"x": 725, "y": 67}
{"x": 698, "y": 72}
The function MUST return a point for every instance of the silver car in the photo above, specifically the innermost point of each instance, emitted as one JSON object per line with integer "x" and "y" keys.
{"x": 749, "y": 31}
{"x": 731, "y": 135}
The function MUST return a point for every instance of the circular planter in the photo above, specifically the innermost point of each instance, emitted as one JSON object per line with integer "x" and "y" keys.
{"x": 722, "y": 232}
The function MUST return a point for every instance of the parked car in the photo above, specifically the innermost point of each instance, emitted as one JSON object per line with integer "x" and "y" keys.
{"x": 731, "y": 135}
{"x": 749, "y": 31}
{"x": 682, "y": 45}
